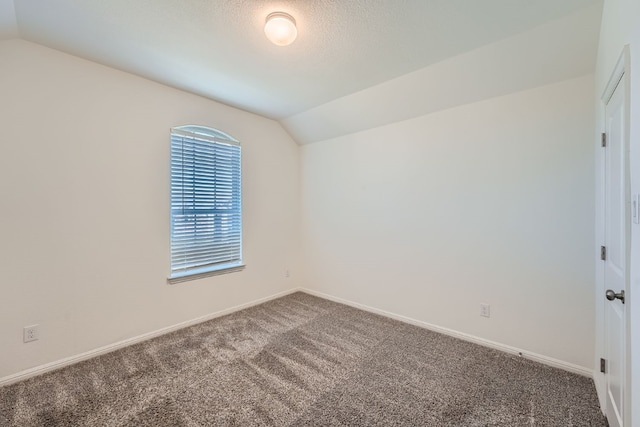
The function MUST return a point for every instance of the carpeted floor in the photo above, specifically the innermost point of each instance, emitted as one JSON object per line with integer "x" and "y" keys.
{"x": 303, "y": 361}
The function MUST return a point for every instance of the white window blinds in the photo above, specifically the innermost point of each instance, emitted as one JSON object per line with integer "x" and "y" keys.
{"x": 206, "y": 211}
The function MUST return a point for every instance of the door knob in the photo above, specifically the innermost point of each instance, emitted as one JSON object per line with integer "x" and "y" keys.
{"x": 611, "y": 295}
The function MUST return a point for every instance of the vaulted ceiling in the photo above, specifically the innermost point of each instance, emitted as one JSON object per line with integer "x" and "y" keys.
{"x": 217, "y": 48}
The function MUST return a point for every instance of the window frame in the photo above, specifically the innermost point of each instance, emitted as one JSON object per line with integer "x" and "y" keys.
{"x": 198, "y": 135}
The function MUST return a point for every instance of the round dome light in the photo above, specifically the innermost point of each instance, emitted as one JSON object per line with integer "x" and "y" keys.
{"x": 280, "y": 28}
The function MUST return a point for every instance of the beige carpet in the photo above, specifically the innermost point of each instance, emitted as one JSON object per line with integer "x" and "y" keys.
{"x": 303, "y": 361}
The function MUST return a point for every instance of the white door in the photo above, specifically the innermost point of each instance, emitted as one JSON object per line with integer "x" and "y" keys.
{"x": 615, "y": 268}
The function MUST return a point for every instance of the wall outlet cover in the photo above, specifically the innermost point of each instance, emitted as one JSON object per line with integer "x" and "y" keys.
{"x": 31, "y": 333}
{"x": 485, "y": 310}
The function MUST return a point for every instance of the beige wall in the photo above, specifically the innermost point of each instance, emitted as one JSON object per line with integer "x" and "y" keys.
{"x": 491, "y": 202}
{"x": 84, "y": 185}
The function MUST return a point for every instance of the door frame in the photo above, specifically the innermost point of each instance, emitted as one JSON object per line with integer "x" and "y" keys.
{"x": 620, "y": 73}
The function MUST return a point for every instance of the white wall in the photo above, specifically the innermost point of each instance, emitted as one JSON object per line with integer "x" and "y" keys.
{"x": 84, "y": 185}
{"x": 491, "y": 202}
{"x": 621, "y": 26}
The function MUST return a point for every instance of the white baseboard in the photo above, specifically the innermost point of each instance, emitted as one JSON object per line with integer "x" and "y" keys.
{"x": 52, "y": 366}
{"x": 556, "y": 363}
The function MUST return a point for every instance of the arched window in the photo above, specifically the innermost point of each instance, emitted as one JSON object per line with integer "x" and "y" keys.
{"x": 206, "y": 203}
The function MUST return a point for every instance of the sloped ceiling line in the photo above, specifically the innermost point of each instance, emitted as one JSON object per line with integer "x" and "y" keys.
{"x": 356, "y": 64}
{"x": 559, "y": 50}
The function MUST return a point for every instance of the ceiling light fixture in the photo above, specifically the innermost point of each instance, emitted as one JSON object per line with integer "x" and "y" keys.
{"x": 280, "y": 28}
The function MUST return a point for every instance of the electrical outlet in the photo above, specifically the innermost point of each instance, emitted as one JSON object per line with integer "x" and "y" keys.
{"x": 485, "y": 310}
{"x": 31, "y": 333}
{"x": 287, "y": 273}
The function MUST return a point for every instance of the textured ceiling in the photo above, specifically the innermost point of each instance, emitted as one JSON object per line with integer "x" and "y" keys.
{"x": 8, "y": 26}
{"x": 559, "y": 50}
{"x": 216, "y": 48}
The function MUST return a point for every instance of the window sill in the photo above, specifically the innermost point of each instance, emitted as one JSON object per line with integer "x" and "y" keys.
{"x": 195, "y": 275}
